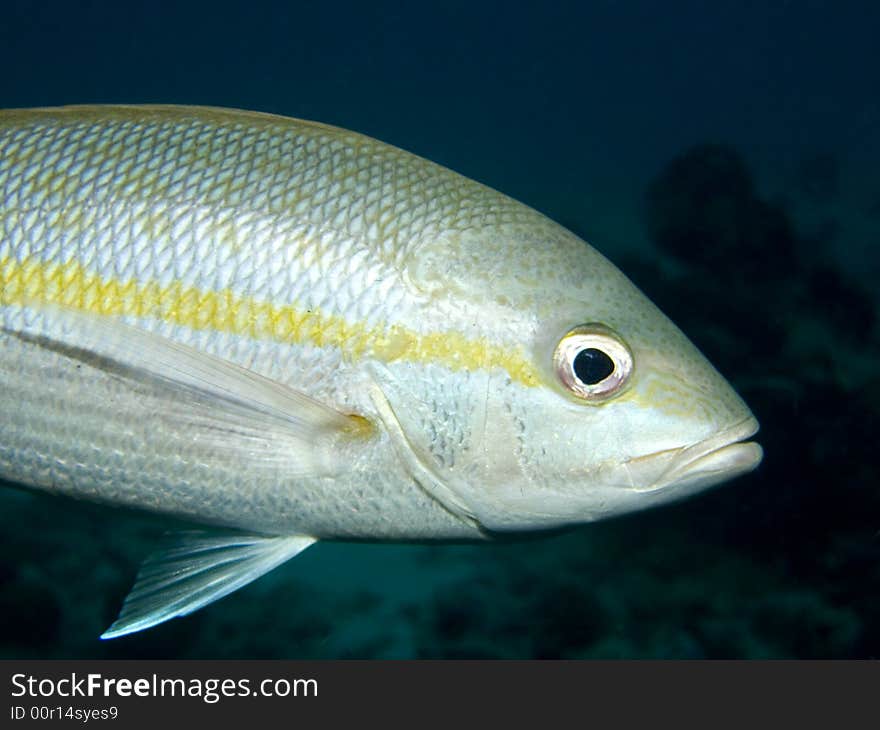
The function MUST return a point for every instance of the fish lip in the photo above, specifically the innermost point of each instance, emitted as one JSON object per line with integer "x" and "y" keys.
{"x": 726, "y": 454}
{"x": 719, "y": 457}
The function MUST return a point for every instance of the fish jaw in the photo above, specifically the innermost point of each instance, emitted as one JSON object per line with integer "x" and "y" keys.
{"x": 687, "y": 470}
{"x": 672, "y": 475}
{"x": 641, "y": 483}
{"x": 723, "y": 456}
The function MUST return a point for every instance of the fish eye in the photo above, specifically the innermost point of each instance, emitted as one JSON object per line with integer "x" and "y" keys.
{"x": 593, "y": 362}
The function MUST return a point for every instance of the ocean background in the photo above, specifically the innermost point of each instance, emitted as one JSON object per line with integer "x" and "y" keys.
{"x": 725, "y": 155}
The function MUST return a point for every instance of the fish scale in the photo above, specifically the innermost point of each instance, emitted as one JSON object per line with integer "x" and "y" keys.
{"x": 120, "y": 251}
{"x": 289, "y": 332}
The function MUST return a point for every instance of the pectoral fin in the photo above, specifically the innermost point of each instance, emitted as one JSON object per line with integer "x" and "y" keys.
{"x": 199, "y": 569}
{"x": 218, "y": 403}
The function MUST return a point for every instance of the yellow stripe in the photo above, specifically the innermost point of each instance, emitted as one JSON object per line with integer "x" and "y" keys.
{"x": 71, "y": 285}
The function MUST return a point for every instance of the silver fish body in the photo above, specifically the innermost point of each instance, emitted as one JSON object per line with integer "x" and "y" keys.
{"x": 299, "y": 332}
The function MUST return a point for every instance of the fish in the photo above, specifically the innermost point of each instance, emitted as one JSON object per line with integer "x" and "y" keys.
{"x": 288, "y": 332}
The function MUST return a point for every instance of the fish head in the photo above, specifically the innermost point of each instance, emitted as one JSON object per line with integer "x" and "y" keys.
{"x": 588, "y": 402}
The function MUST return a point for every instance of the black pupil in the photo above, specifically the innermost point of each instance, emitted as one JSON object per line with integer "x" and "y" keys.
{"x": 592, "y": 366}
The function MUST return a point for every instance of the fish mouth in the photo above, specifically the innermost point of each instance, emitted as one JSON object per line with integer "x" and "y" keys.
{"x": 720, "y": 457}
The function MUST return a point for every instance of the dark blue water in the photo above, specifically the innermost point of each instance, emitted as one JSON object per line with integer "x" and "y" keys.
{"x": 723, "y": 154}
